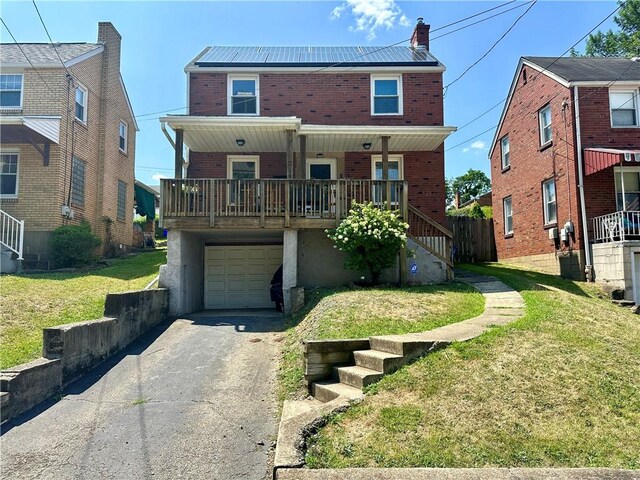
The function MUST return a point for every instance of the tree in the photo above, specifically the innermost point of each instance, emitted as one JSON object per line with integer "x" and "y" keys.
{"x": 470, "y": 185}
{"x": 626, "y": 42}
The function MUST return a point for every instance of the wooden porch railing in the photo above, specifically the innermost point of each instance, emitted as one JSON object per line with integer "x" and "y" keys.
{"x": 429, "y": 234}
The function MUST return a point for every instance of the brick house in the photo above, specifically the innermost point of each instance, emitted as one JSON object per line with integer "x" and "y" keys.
{"x": 279, "y": 141}
{"x": 565, "y": 169}
{"x": 67, "y": 141}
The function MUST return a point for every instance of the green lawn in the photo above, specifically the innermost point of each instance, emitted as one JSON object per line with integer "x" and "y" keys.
{"x": 33, "y": 302}
{"x": 559, "y": 388}
{"x": 360, "y": 313}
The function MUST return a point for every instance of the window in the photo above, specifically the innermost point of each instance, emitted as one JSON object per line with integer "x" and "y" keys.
{"x": 549, "y": 200}
{"x": 9, "y": 175}
{"x": 242, "y": 167}
{"x": 81, "y": 104}
{"x": 122, "y": 201}
{"x": 624, "y": 108}
{"x": 508, "y": 216}
{"x": 631, "y": 187}
{"x": 395, "y": 173}
{"x": 244, "y": 95}
{"x": 123, "y": 137}
{"x": 544, "y": 117}
{"x": 504, "y": 152}
{"x": 386, "y": 95}
{"x": 11, "y": 91}
{"x": 77, "y": 182}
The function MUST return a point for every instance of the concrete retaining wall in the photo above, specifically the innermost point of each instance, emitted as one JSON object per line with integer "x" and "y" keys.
{"x": 320, "y": 356}
{"x": 72, "y": 349}
{"x": 612, "y": 265}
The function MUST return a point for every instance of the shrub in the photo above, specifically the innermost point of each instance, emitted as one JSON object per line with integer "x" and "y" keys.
{"x": 73, "y": 245}
{"x": 370, "y": 237}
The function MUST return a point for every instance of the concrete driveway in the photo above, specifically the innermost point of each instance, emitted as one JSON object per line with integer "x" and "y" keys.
{"x": 194, "y": 399}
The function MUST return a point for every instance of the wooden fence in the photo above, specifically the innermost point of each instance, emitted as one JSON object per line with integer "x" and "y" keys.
{"x": 473, "y": 239}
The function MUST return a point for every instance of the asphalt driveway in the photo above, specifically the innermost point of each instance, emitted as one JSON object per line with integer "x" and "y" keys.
{"x": 195, "y": 399}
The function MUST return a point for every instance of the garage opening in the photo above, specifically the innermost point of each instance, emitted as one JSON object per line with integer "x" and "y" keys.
{"x": 239, "y": 276}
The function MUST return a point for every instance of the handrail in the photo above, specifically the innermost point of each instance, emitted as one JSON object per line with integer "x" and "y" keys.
{"x": 12, "y": 233}
{"x": 429, "y": 220}
{"x": 430, "y": 235}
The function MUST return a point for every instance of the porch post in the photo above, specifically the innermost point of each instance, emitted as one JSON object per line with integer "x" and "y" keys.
{"x": 302, "y": 173}
{"x": 178, "y": 152}
{"x": 289, "y": 154}
{"x": 385, "y": 170}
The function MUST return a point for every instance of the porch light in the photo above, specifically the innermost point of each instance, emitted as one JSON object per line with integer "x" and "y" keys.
{"x": 240, "y": 142}
{"x": 366, "y": 145}
{"x": 319, "y": 155}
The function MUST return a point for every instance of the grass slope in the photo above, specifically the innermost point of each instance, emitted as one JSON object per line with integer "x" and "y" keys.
{"x": 33, "y": 302}
{"x": 345, "y": 313}
{"x": 559, "y": 388}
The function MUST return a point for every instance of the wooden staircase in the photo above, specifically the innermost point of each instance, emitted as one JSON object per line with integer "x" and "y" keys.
{"x": 431, "y": 236}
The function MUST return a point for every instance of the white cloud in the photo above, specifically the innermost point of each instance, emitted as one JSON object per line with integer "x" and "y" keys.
{"x": 158, "y": 176}
{"x": 370, "y": 15}
{"x": 477, "y": 147}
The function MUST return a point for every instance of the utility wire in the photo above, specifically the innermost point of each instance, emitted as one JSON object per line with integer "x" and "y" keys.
{"x": 50, "y": 40}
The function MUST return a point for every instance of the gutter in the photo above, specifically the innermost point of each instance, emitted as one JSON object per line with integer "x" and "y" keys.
{"x": 585, "y": 230}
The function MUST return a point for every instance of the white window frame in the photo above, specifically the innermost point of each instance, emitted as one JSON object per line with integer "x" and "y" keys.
{"x": 541, "y": 125}
{"x": 333, "y": 162}
{"x": 230, "y": 79}
{"x": 125, "y": 136}
{"x": 546, "y": 201}
{"x": 636, "y": 100}
{"x": 231, "y": 159}
{"x": 618, "y": 171}
{"x": 86, "y": 103}
{"x": 392, "y": 158}
{"x": 505, "y": 155}
{"x": 398, "y": 79}
{"x": 19, "y": 107}
{"x": 17, "y": 153}
{"x": 504, "y": 214}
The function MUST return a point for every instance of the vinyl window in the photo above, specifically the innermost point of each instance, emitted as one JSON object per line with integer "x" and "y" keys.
{"x": 122, "y": 128}
{"x": 122, "y": 201}
{"x": 544, "y": 118}
{"x": 81, "y": 103}
{"x": 11, "y": 91}
{"x": 9, "y": 175}
{"x": 624, "y": 108}
{"x": 631, "y": 178}
{"x": 508, "y": 216}
{"x": 395, "y": 173}
{"x": 504, "y": 152}
{"x": 77, "y": 182}
{"x": 386, "y": 95}
{"x": 549, "y": 201}
{"x": 243, "y": 98}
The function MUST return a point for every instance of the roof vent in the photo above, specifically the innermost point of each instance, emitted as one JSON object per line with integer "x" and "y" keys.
{"x": 420, "y": 20}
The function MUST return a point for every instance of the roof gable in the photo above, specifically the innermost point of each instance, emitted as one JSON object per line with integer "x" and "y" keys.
{"x": 589, "y": 69}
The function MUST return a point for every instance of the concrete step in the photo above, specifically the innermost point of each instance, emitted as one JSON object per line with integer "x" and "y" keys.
{"x": 330, "y": 390}
{"x": 358, "y": 377}
{"x": 403, "y": 345}
{"x": 382, "y": 362}
{"x": 5, "y": 398}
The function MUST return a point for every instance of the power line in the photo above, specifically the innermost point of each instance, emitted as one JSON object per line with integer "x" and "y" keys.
{"x": 52, "y": 44}
{"x": 492, "y": 47}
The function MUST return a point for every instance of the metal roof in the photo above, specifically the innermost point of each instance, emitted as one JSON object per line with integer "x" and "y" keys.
{"x": 589, "y": 69}
{"x": 314, "y": 56}
{"x": 43, "y": 53}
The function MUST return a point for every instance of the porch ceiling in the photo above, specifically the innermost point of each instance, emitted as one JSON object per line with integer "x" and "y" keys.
{"x": 269, "y": 134}
{"x": 29, "y": 129}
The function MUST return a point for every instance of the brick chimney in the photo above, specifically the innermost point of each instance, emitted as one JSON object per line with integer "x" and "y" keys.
{"x": 109, "y": 36}
{"x": 420, "y": 35}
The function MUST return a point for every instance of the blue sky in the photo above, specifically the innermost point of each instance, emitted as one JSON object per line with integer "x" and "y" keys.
{"x": 160, "y": 38}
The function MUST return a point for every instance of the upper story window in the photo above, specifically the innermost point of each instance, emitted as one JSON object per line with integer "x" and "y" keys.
{"x": 544, "y": 119}
{"x": 386, "y": 94}
{"x": 11, "y": 91}
{"x": 9, "y": 175}
{"x": 244, "y": 95}
{"x": 624, "y": 108}
{"x": 81, "y": 103}
{"x": 508, "y": 216}
{"x": 549, "y": 200}
{"x": 504, "y": 152}
{"x": 123, "y": 137}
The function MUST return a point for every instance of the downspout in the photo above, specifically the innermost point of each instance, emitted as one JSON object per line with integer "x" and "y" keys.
{"x": 163, "y": 126}
{"x": 588, "y": 270}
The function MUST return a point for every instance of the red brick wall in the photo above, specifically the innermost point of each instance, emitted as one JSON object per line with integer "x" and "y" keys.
{"x": 214, "y": 164}
{"x": 531, "y": 165}
{"x": 326, "y": 99}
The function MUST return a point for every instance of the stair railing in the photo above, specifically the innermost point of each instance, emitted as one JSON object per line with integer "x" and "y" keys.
{"x": 12, "y": 233}
{"x": 430, "y": 235}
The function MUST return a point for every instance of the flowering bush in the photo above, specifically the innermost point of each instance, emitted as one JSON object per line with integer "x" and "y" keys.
{"x": 370, "y": 237}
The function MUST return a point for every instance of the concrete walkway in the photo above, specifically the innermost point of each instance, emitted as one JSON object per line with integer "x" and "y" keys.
{"x": 195, "y": 400}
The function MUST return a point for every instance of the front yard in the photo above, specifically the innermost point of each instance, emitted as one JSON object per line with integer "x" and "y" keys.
{"x": 36, "y": 301}
{"x": 559, "y": 388}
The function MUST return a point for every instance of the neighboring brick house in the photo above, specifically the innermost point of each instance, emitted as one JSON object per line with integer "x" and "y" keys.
{"x": 569, "y": 128}
{"x": 67, "y": 140}
{"x": 280, "y": 141}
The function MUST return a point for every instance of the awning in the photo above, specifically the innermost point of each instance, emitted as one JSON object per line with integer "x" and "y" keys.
{"x": 269, "y": 134}
{"x": 145, "y": 200}
{"x": 596, "y": 159}
{"x": 31, "y": 129}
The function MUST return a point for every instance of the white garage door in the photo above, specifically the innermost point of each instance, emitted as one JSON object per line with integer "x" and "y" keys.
{"x": 240, "y": 276}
